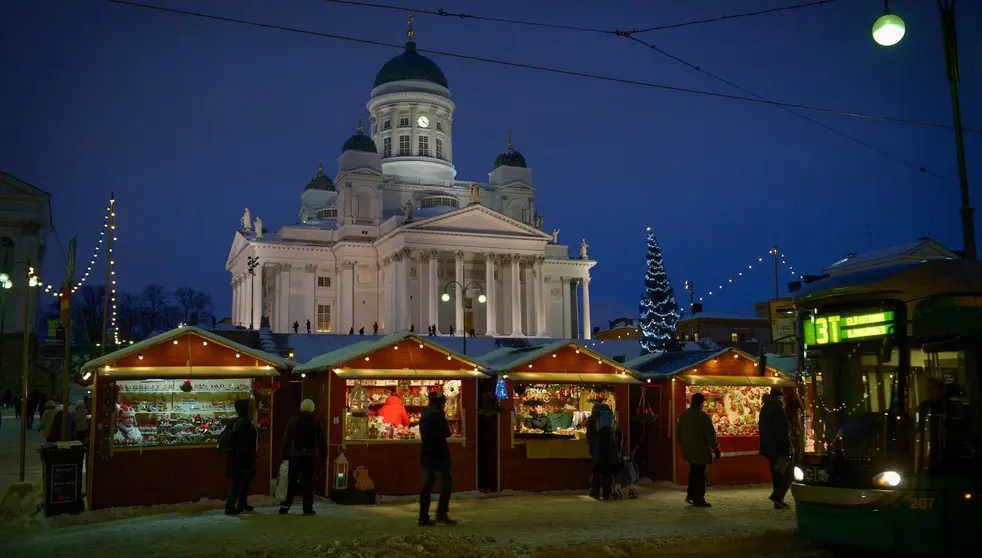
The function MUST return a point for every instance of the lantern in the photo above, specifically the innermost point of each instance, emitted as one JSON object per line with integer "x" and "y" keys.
{"x": 359, "y": 401}
{"x": 341, "y": 471}
{"x": 500, "y": 389}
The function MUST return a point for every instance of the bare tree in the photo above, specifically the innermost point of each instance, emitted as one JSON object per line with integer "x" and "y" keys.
{"x": 154, "y": 303}
{"x": 87, "y": 312}
{"x": 192, "y": 302}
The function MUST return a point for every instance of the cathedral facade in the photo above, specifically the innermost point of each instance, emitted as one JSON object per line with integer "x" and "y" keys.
{"x": 395, "y": 242}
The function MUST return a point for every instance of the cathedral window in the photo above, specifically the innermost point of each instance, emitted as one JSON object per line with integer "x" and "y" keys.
{"x": 323, "y": 281}
{"x": 329, "y": 213}
{"x": 404, "y": 122}
{"x": 439, "y": 148}
{"x": 439, "y": 126}
{"x": 323, "y": 318}
{"x": 424, "y": 146}
{"x": 387, "y": 146}
{"x": 439, "y": 201}
{"x": 387, "y": 124}
{"x": 404, "y": 146}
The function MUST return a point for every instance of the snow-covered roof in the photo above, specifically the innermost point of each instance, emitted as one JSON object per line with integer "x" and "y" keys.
{"x": 866, "y": 259}
{"x": 362, "y": 348}
{"x": 671, "y": 363}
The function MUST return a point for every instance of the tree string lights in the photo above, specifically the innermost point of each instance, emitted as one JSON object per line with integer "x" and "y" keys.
{"x": 750, "y": 267}
{"x": 657, "y": 314}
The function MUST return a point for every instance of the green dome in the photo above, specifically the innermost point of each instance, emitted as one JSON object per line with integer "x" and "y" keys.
{"x": 320, "y": 181}
{"x": 411, "y": 65}
{"x": 510, "y": 158}
{"x": 360, "y": 142}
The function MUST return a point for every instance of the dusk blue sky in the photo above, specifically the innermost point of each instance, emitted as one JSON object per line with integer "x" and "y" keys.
{"x": 189, "y": 121}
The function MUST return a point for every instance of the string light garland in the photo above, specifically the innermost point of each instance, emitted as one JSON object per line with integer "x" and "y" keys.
{"x": 750, "y": 267}
{"x": 572, "y": 73}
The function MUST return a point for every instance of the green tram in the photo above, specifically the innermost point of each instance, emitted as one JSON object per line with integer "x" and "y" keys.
{"x": 889, "y": 366}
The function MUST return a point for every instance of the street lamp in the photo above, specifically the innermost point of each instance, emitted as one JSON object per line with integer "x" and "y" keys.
{"x": 888, "y": 31}
{"x": 252, "y": 263}
{"x": 480, "y": 298}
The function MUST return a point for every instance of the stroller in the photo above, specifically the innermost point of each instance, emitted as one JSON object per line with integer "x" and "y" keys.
{"x": 626, "y": 477}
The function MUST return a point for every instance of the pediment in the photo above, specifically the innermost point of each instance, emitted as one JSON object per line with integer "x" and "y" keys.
{"x": 476, "y": 219}
{"x": 10, "y": 185}
{"x": 514, "y": 187}
{"x": 239, "y": 243}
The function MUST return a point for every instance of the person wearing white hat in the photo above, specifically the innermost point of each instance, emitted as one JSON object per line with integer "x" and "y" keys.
{"x": 304, "y": 445}
{"x": 126, "y": 430}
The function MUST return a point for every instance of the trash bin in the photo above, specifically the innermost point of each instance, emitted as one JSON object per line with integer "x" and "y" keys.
{"x": 62, "y": 463}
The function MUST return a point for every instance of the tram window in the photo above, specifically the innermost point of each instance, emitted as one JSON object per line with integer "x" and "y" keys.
{"x": 938, "y": 393}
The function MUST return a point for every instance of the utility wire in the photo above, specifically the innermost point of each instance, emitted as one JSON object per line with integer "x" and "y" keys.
{"x": 546, "y": 69}
{"x": 789, "y": 110}
{"x": 462, "y": 15}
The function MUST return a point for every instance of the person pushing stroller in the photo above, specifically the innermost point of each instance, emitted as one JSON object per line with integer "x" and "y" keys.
{"x": 605, "y": 440}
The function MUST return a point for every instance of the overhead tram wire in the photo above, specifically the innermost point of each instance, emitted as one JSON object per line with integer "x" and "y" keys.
{"x": 546, "y": 69}
{"x": 630, "y": 36}
{"x": 700, "y": 69}
{"x": 463, "y": 15}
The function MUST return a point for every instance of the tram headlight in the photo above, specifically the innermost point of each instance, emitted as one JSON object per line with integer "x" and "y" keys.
{"x": 887, "y": 479}
{"x": 799, "y": 475}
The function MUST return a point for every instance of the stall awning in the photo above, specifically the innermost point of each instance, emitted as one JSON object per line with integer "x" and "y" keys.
{"x": 766, "y": 381}
{"x": 572, "y": 378}
{"x": 189, "y": 372}
{"x": 407, "y": 373}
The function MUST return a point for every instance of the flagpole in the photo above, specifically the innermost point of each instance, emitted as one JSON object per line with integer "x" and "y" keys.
{"x": 65, "y": 305}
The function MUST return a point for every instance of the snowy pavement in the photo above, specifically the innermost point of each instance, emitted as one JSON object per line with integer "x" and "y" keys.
{"x": 510, "y": 525}
{"x": 10, "y": 450}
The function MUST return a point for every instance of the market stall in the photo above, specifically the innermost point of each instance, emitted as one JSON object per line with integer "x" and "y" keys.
{"x": 534, "y": 413}
{"x": 371, "y": 396}
{"x": 734, "y": 386}
{"x": 158, "y": 407}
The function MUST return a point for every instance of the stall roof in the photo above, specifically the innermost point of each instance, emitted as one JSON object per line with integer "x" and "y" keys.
{"x": 136, "y": 348}
{"x": 671, "y": 363}
{"x": 508, "y": 358}
{"x": 358, "y": 350}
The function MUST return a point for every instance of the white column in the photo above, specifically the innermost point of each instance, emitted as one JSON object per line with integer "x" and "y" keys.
{"x": 235, "y": 300}
{"x": 283, "y": 299}
{"x": 530, "y": 303}
{"x": 459, "y": 297}
{"x": 386, "y": 296}
{"x": 424, "y": 307}
{"x": 346, "y": 296}
{"x": 255, "y": 283}
{"x": 489, "y": 305}
{"x": 540, "y": 298}
{"x": 587, "y": 325}
{"x": 402, "y": 291}
{"x": 434, "y": 313}
{"x": 516, "y": 296}
{"x": 567, "y": 318}
{"x": 336, "y": 304}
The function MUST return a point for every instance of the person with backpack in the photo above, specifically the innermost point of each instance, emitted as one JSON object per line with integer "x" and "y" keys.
{"x": 238, "y": 442}
{"x": 605, "y": 439}
{"x": 435, "y": 460}
{"x": 697, "y": 435}
{"x": 304, "y": 445}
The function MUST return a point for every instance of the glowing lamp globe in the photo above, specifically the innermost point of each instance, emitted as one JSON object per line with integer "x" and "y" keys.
{"x": 888, "y": 30}
{"x": 482, "y": 299}
{"x": 445, "y": 297}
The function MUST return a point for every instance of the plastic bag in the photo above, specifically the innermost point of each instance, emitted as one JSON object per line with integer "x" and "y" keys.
{"x": 282, "y": 481}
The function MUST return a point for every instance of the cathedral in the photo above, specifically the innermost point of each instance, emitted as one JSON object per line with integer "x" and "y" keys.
{"x": 395, "y": 242}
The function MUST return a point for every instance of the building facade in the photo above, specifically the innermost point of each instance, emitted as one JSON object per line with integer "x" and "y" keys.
{"x": 396, "y": 241}
{"x": 726, "y": 330}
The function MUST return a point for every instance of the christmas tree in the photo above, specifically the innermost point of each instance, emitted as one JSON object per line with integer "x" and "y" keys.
{"x": 658, "y": 309}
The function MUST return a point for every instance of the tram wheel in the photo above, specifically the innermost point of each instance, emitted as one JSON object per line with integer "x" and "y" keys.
{"x": 633, "y": 493}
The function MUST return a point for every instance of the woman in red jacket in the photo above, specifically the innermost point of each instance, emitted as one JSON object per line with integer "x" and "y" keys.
{"x": 393, "y": 412}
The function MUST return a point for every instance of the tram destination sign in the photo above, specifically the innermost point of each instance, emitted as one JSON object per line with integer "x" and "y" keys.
{"x": 839, "y": 328}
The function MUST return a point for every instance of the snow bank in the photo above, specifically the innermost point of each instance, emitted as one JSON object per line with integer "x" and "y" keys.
{"x": 20, "y": 505}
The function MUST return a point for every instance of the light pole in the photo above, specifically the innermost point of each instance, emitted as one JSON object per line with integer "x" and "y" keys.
{"x": 480, "y": 298}
{"x": 888, "y": 31}
{"x": 253, "y": 263}
{"x": 30, "y": 280}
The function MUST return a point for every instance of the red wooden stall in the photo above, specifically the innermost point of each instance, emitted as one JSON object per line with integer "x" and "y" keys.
{"x": 733, "y": 384}
{"x": 350, "y": 386}
{"x": 158, "y": 407}
{"x": 567, "y": 379}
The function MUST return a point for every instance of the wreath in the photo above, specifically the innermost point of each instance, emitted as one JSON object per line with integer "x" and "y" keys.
{"x": 186, "y": 386}
{"x": 490, "y": 405}
{"x": 257, "y": 387}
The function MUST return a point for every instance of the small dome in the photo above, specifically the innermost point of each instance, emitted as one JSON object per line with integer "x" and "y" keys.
{"x": 320, "y": 181}
{"x": 360, "y": 142}
{"x": 510, "y": 158}
{"x": 411, "y": 65}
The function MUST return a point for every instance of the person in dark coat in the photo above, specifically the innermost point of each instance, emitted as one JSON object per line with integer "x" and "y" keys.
{"x": 241, "y": 460}
{"x": 304, "y": 445}
{"x": 435, "y": 460}
{"x": 775, "y": 445}
{"x": 605, "y": 440}
{"x": 538, "y": 419}
{"x": 33, "y": 402}
{"x": 697, "y": 436}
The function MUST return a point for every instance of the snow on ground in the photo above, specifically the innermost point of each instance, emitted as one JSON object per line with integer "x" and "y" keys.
{"x": 510, "y": 525}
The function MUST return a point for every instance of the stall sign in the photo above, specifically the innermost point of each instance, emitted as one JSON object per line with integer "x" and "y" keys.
{"x": 63, "y": 483}
{"x": 839, "y": 328}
